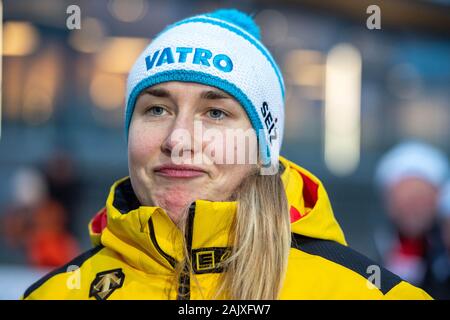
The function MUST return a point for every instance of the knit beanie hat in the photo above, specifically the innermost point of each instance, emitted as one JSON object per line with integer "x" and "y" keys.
{"x": 412, "y": 158}
{"x": 222, "y": 49}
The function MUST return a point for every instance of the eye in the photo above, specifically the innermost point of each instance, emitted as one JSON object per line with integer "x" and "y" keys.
{"x": 156, "y": 111}
{"x": 216, "y": 114}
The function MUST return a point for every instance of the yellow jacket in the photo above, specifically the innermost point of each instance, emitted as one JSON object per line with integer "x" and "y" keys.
{"x": 136, "y": 249}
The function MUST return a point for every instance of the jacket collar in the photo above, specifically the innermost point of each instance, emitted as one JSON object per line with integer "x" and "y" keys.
{"x": 144, "y": 235}
{"x": 148, "y": 239}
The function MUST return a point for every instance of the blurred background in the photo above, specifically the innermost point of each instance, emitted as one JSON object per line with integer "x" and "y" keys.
{"x": 352, "y": 93}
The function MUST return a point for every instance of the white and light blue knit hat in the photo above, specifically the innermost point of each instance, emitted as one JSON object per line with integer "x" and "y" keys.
{"x": 412, "y": 158}
{"x": 221, "y": 49}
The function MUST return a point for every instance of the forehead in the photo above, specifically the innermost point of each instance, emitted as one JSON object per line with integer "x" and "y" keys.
{"x": 186, "y": 87}
{"x": 412, "y": 183}
{"x": 177, "y": 90}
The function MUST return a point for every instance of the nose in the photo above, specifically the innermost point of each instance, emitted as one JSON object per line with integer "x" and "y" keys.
{"x": 181, "y": 141}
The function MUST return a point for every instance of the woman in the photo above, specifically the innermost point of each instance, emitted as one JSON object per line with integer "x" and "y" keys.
{"x": 193, "y": 222}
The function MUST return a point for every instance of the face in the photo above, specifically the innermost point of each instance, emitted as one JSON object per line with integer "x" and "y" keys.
{"x": 179, "y": 134}
{"x": 412, "y": 205}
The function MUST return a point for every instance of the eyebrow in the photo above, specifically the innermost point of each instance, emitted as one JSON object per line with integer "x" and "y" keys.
{"x": 209, "y": 94}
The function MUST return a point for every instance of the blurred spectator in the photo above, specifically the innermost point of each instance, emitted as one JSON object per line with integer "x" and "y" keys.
{"x": 28, "y": 190}
{"x": 410, "y": 177}
{"x": 36, "y": 223}
{"x": 63, "y": 185}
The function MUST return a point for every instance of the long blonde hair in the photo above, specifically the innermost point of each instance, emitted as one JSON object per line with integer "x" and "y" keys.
{"x": 260, "y": 240}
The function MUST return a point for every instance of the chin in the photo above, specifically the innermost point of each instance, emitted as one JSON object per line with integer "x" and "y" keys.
{"x": 175, "y": 196}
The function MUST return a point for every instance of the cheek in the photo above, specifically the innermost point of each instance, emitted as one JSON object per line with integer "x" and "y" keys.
{"x": 144, "y": 143}
{"x": 231, "y": 175}
{"x": 232, "y": 147}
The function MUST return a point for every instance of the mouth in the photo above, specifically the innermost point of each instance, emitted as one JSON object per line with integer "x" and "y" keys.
{"x": 179, "y": 171}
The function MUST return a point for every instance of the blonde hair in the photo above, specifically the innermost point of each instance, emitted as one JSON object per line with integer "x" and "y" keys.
{"x": 260, "y": 240}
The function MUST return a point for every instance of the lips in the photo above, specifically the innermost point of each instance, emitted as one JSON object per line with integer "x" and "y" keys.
{"x": 179, "y": 171}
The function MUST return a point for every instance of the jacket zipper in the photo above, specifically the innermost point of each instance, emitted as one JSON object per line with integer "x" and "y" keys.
{"x": 185, "y": 279}
{"x": 169, "y": 258}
